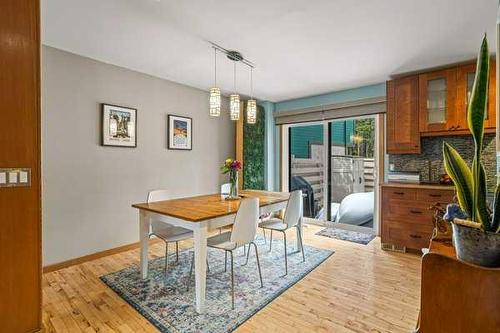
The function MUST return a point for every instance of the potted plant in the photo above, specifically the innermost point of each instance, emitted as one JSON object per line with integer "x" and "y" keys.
{"x": 475, "y": 226}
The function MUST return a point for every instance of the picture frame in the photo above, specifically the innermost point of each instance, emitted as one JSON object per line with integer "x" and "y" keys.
{"x": 118, "y": 126}
{"x": 179, "y": 134}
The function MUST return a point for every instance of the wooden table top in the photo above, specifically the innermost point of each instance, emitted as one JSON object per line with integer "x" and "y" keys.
{"x": 205, "y": 207}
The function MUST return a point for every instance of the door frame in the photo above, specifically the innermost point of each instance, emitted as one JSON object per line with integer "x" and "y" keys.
{"x": 379, "y": 163}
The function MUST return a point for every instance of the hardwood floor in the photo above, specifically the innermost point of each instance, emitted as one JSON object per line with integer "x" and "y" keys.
{"x": 358, "y": 289}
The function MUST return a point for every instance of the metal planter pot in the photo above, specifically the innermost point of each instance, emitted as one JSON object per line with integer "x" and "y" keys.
{"x": 475, "y": 246}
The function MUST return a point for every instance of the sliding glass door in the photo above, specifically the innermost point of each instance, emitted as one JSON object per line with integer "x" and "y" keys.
{"x": 307, "y": 166}
{"x": 334, "y": 164}
{"x": 351, "y": 184}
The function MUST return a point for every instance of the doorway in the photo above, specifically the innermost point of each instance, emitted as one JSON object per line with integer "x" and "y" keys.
{"x": 334, "y": 163}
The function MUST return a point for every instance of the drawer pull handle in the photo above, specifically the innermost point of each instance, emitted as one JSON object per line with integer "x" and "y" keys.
{"x": 415, "y": 236}
{"x": 414, "y": 211}
{"x": 435, "y": 195}
{"x": 399, "y": 193}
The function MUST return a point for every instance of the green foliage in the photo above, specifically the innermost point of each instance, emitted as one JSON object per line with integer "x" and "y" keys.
{"x": 471, "y": 183}
{"x": 253, "y": 152}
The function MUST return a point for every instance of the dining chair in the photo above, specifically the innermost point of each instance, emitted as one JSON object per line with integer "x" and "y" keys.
{"x": 225, "y": 189}
{"x": 243, "y": 233}
{"x": 167, "y": 232}
{"x": 293, "y": 214}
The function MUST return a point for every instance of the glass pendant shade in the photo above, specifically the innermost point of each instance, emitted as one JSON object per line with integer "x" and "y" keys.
{"x": 251, "y": 111}
{"x": 234, "y": 106}
{"x": 215, "y": 102}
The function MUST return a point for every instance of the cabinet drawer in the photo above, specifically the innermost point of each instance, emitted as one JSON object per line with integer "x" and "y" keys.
{"x": 413, "y": 236}
{"x": 390, "y": 193}
{"x": 412, "y": 211}
{"x": 435, "y": 196}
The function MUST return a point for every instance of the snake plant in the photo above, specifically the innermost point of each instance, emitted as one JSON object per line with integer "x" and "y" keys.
{"x": 470, "y": 182}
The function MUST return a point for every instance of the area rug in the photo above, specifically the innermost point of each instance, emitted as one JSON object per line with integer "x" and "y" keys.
{"x": 164, "y": 301}
{"x": 347, "y": 235}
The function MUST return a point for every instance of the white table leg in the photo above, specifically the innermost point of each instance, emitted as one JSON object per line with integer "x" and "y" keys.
{"x": 200, "y": 265}
{"x": 144, "y": 223}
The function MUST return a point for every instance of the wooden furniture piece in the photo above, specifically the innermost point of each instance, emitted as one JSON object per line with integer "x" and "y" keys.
{"x": 433, "y": 103}
{"x": 200, "y": 214}
{"x": 437, "y": 100}
{"x": 406, "y": 217}
{"x": 457, "y": 297}
{"x": 20, "y": 207}
{"x": 403, "y": 136}
{"x": 465, "y": 80}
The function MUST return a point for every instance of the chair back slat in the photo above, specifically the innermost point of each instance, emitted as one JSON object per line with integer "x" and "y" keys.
{"x": 245, "y": 222}
{"x": 154, "y": 196}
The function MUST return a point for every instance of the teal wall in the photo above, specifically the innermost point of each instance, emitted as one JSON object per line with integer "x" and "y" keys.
{"x": 304, "y": 136}
{"x": 272, "y": 136}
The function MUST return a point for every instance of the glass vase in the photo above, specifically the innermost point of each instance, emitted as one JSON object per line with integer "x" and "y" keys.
{"x": 233, "y": 181}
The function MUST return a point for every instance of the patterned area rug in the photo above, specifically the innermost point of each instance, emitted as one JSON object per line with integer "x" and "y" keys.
{"x": 164, "y": 301}
{"x": 347, "y": 235}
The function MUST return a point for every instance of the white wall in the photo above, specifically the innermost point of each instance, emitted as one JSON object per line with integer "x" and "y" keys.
{"x": 88, "y": 189}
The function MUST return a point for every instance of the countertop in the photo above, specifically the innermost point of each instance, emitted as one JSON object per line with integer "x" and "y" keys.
{"x": 431, "y": 186}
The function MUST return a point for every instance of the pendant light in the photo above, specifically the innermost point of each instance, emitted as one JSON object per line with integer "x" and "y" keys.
{"x": 215, "y": 99}
{"x": 252, "y": 103}
{"x": 234, "y": 100}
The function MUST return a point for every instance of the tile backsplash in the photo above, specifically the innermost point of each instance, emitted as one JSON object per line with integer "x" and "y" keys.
{"x": 429, "y": 163}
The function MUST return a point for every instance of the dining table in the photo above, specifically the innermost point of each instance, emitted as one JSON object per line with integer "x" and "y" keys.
{"x": 201, "y": 214}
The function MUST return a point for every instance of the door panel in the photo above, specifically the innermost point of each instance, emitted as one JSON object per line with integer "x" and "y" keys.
{"x": 403, "y": 136}
{"x": 20, "y": 234}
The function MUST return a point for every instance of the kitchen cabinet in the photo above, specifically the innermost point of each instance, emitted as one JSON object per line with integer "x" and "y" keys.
{"x": 465, "y": 80}
{"x": 437, "y": 100}
{"x": 403, "y": 135}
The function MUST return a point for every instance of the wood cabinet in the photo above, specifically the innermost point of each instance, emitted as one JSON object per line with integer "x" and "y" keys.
{"x": 406, "y": 218}
{"x": 433, "y": 103}
{"x": 403, "y": 135}
{"x": 465, "y": 80}
{"x": 457, "y": 297}
{"x": 437, "y": 100}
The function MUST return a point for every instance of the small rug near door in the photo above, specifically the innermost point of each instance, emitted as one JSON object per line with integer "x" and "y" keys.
{"x": 347, "y": 235}
{"x": 165, "y": 302}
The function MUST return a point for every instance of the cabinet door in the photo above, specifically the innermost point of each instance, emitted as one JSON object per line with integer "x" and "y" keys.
{"x": 403, "y": 135}
{"x": 437, "y": 101}
{"x": 465, "y": 80}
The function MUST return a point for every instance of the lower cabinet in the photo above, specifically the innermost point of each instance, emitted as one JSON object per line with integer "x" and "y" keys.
{"x": 406, "y": 214}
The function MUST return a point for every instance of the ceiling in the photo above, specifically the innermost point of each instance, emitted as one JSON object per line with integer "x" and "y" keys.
{"x": 301, "y": 48}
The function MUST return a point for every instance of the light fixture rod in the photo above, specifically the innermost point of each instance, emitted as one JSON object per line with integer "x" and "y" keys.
{"x": 228, "y": 53}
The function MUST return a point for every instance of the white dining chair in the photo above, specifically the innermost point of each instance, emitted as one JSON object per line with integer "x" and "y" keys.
{"x": 225, "y": 189}
{"x": 167, "y": 232}
{"x": 293, "y": 214}
{"x": 243, "y": 233}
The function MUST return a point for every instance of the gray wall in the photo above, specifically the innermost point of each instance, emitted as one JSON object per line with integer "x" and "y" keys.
{"x": 87, "y": 188}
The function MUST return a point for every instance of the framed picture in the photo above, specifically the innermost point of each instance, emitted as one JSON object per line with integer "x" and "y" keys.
{"x": 119, "y": 126}
{"x": 179, "y": 132}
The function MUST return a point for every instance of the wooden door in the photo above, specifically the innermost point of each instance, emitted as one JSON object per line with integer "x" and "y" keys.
{"x": 403, "y": 135}
{"x": 465, "y": 80}
{"x": 437, "y": 101}
{"x": 20, "y": 221}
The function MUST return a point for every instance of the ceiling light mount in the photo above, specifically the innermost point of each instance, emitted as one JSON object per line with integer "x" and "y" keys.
{"x": 234, "y": 56}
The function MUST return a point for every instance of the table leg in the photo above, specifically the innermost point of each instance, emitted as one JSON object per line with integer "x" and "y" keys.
{"x": 144, "y": 223}
{"x": 200, "y": 264}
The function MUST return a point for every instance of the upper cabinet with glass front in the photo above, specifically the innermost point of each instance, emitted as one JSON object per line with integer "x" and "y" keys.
{"x": 437, "y": 101}
{"x": 465, "y": 81}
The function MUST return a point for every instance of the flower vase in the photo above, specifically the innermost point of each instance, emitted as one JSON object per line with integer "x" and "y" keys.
{"x": 233, "y": 181}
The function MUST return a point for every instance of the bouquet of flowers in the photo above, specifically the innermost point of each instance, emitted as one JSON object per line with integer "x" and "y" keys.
{"x": 232, "y": 166}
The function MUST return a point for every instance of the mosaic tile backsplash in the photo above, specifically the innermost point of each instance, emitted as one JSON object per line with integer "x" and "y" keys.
{"x": 430, "y": 162}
